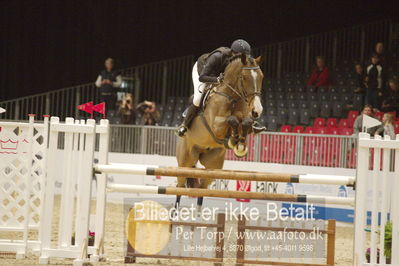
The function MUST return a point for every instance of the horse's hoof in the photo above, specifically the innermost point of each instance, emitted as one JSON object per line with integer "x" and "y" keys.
{"x": 231, "y": 144}
{"x": 240, "y": 150}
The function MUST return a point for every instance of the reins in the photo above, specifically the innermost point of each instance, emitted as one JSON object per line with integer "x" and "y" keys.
{"x": 244, "y": 96}
{"x": 241, "y": 95}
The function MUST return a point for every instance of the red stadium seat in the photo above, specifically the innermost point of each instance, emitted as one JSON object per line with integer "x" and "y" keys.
{"x": 379, "y": 115}
{"x": 352, "y": 115}
{"x": 332, "y": 131}
{"x": 298, "y": 129}
{"x": 319, "y": 122}
{"x": 346, "y": 131}
{"x": 332, "y": 122}
{"x": 310, "y": 130}
{"x": 285, "y": 128}
{"x": 343, "y": 123}
{"x": 320, "y": 130}
{"x": 396, "y": 126}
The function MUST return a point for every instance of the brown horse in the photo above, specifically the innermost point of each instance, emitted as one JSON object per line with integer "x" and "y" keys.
{"x": 227, "y": 115}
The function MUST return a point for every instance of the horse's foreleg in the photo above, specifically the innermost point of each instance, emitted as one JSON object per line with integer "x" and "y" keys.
{"x": 246, "y": 126}
{"x": 234, "y": 124}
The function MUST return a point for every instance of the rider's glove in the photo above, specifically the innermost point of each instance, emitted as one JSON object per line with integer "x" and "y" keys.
{"x": 220, "y": 78}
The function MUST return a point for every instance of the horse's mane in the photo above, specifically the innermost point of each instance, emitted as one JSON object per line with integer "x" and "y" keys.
{"x": 236, "y": 61}
{"x": 237, "y": 57}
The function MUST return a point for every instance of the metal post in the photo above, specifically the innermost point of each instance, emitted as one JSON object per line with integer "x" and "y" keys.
{"x": 307, "y": 55}
{"x": 47, "y": 107}
{"x": 334, "y": 51}
{"x": 362, "y": 43}
{"x": 279, "y": 60}
{"x": 16, "y": 115}
{"x": 390, "y": 35}
{"x": 136, "y": 87}
{"x": 164, "y": 82}
{"x": 298, "y": 150}
{"x": 257, "y": 144}
{"x": 144, "y": 140}
{"x": 77, "y": 102}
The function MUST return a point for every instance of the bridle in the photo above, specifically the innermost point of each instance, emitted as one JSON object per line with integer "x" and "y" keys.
{"x": 246, "y": 97}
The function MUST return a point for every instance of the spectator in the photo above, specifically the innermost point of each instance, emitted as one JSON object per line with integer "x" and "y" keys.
{"x": 107, "y": 81}
{"x": 127, "y": 111}
{"x": 374, "y": 82}
{"x": 391, "y": 102}
{"x": 358, "y": 125}
{"x": 150, "y": 114}
{"x": 320, "y": 75}
{"x": 380, "y": 51}
{"x": 360, "y": 79}
{"x": 387, "y": 128}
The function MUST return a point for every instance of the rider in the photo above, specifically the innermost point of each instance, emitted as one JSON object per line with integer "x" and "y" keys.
{"x": 209, "y": 69}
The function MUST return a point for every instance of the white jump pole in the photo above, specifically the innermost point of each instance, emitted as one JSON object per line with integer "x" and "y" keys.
{"x": 228, "y": 194}
{"x": 138, "y": 169}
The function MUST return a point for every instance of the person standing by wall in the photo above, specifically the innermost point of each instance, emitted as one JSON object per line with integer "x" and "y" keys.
{"x": 107, "y": 82}
{"x": 374, "y": 82}
{"x": 391, "y": 101}
{"x": 360, "y": 79}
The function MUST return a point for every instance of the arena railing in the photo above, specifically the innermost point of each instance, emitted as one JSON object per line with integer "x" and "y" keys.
{"x": 268, "y": 147}
{"x": 156, "y": 81}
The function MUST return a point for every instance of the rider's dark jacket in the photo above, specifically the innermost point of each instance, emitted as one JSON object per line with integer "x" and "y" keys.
{"x": 211, "y": 65}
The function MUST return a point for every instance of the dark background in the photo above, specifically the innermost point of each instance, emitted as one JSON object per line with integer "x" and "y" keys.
{"x": 47, "y": 45}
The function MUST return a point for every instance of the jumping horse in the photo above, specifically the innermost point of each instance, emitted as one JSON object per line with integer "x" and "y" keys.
{"x": 225, "y": 121}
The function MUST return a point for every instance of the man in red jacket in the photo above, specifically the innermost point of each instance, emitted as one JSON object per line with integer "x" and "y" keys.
{"x": 320, "y": 75}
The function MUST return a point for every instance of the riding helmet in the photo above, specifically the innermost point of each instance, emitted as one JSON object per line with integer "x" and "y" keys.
{"x": 241, "y": 46}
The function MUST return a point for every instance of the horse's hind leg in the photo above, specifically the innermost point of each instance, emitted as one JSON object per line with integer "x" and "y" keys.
{"x": 186, "y": 157}
{"x": 213, "y": 159}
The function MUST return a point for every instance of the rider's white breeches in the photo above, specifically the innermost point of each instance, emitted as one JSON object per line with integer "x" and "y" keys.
{"x": 198, "y": 86}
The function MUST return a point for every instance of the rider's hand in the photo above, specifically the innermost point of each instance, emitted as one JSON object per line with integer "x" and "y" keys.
{"x": 220, "y": 78}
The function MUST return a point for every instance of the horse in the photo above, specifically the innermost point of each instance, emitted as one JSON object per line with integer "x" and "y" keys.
{"x": 225, "y": 120}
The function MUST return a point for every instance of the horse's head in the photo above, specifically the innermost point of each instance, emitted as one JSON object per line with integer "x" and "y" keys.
{"x": 244, "y": 72}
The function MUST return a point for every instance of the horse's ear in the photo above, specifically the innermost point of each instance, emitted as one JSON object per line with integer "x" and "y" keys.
{"x": 259, "y": 60}
{"x": 244, "y": 59}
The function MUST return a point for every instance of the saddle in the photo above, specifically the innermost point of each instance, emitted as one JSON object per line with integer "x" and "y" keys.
{"x": 204, "y": 98}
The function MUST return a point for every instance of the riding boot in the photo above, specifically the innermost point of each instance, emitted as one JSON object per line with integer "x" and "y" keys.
{"x": 257, "y": 128}
{"x": 192, "y": 111}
